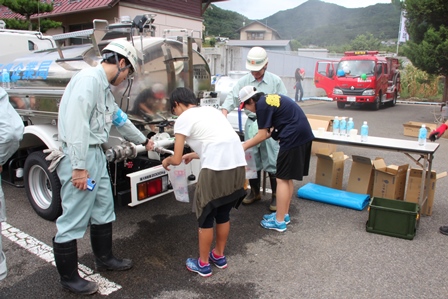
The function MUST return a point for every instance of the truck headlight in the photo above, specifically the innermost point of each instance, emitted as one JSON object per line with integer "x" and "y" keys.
{"x": 337, "y": 91}
{"x": 368, "y": 92}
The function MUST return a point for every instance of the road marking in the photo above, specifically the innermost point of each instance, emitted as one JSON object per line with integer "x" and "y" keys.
{"x": 45, "y": 252}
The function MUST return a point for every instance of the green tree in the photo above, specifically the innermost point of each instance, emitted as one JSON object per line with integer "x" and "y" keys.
{"x": 365, "y": 42}
{"x": 221, "y": 22}
{"x": 427, "y": 26}
{"x": 295, "y": 45}
{"x": 28, "y": 8}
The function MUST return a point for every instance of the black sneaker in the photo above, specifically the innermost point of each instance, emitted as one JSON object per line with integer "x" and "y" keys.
{"x": 444, "y": 230}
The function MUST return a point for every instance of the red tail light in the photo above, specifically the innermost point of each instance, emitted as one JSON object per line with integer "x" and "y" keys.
{"x": 152, "y": 187}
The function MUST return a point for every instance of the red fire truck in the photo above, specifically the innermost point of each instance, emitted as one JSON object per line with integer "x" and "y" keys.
{"x": 361, "y": 77}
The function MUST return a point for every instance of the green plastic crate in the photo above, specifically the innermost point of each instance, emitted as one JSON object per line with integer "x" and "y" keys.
{"x": 392, "y": 217}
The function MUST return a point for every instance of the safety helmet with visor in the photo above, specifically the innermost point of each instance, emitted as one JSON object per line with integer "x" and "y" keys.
{"x": 246, "y": 93}
{"x": 124, "y": 48}
{"x": 256, "y": 59}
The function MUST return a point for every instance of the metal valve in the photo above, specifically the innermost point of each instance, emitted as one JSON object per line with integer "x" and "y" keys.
{"x": 126, "y": 150}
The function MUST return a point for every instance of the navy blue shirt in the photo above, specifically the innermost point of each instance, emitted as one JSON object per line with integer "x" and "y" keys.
{"x": 291, "y": 127}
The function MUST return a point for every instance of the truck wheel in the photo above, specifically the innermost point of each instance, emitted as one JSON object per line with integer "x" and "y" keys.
{"x": 42, "y": 187}
{"x": 376, "y": 105}
{"x": 394, "y": 101}
{"x": 341, "y": 105}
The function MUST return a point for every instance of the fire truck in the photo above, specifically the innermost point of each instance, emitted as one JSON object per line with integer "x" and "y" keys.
{"x": 38, "y": 81}
{"x": 360, "y": 77}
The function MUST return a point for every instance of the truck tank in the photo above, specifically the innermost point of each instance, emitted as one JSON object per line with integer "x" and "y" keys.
{"x": 39, "y": 79}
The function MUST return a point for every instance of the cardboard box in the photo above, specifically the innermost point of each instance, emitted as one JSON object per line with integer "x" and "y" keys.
{"x": 411, "y": 128}
{"x": 321, "y": 121}
{"x": 389, "y": 181}
{"x": 361, "y": 175}
{"x": 413, "y": 188}
{"x": 330, "y": 168}
{"x": 322, "y": 117}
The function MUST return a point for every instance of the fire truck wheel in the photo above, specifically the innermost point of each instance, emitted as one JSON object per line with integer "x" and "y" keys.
{"x": 394, "y": 101}
{"x": 42, "y": 187}
{"x": 376, "y": 105}
{"x": 341, "y": 105}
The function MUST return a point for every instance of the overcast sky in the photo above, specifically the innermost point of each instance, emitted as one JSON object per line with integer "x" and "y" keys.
{"x": 260, "y": 9}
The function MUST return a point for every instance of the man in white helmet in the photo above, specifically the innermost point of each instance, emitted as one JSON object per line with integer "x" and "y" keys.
{"x": 86, "y": 114}
{"x": 266, "y": 153}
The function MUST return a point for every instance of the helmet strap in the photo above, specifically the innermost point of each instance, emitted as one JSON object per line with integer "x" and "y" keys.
{"x": 117, "y": 62}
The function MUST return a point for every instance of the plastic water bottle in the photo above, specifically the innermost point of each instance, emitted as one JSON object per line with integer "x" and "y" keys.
{"x": 336, "y": 126}
{"x": 364, "y": 132}
{"x": 6, "y": 81}
{"x": 343, "y": 127}
{"x": 422, "y": 135}
{"x": 350, "y": 125}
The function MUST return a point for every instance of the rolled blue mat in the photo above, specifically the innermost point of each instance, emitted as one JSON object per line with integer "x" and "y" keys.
{"x": 332, "y": 196}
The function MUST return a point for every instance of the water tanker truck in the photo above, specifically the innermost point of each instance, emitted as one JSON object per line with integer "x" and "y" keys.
{"x": 37, "y": 83}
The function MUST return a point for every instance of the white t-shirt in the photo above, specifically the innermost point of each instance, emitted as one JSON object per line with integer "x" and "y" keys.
{"x": 211, "y": 136}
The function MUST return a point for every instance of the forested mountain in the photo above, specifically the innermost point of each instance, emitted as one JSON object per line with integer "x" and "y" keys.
{"x": 314, "y": 22}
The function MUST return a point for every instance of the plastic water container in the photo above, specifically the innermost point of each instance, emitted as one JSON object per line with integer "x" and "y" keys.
{"x": 364, "y": 132}
{"x": 343, "y": 127}
{"x": 350, "y": 125}
{"x": 422, "y": 135}
{"x": 336, "y": 126}
{"x": 6, "y": 80}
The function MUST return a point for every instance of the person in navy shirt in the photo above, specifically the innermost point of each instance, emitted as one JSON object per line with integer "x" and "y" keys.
{"x": 282, "y": 119}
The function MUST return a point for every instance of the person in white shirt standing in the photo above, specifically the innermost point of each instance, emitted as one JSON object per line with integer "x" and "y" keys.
{"x": 220, "y": 185}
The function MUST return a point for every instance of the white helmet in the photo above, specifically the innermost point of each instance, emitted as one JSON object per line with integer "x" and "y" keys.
{"x": 246, "y": 93}
{"x": 126, "y": 49}
{"x": 256, "y": 59}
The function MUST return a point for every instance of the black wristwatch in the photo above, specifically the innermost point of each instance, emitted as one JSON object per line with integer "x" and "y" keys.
{"x": 146, "y": 142}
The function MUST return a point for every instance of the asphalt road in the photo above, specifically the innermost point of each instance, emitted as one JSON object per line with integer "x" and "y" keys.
{"x": 325, "y": 253}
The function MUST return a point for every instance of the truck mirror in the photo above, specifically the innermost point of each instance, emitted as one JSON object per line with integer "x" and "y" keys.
{"x": 330, "y": 73}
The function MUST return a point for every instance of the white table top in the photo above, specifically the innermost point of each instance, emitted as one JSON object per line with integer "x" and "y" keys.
{"x": 401, "y": 145}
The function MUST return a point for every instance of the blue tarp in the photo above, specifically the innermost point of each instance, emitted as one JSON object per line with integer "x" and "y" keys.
{"x": 332, "y": 196}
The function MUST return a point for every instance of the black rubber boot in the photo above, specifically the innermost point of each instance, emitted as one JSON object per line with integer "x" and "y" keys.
{"x": 66, "y": 259}
{"x": 443, "y": 230}
{"x": 273, "y": 204}
{"x": 101, "y": 240}
{"x": 254, "y": 194}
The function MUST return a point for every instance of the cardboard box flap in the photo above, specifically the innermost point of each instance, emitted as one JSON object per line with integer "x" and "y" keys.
{"x": 417, "y": 172}
{"x": 361, "y": 175}
{"x": 336, "y": 156}
{"x": 321, "y": 117}
{"x": 441, "y": 175}
{"x": 339, "y": 156}
{"x": 401, "y": 169}
{"x": 330, "y": 169}
{"x": 318, "y": 123}
{"x": 361, "y": 159}
{"x": 379, "y": 164}
{"x": 324, "y": 151}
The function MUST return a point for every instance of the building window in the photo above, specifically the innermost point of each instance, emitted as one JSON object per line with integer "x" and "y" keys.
{"x": 255, "y": 35}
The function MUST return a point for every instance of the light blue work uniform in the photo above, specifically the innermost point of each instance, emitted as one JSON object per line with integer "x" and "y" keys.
{"x": 11, "y": 132}
{"x": 270, "y": 83}
{"x": 86, "y": 114}
{"x": 266, "y": 155}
